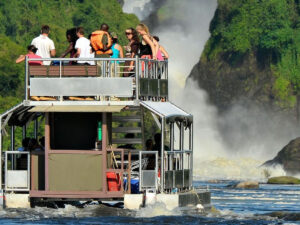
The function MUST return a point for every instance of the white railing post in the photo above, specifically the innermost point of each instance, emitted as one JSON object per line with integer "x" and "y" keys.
{"x": 26, "y": 77}
{"x": 137, "y": 77}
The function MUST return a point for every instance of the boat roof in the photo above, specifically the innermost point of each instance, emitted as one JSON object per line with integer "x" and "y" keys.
{"x": 24, "y": 112}
{"x": 168, "y": 110}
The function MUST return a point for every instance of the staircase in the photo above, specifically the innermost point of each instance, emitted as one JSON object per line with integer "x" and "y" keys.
{"x": 127, "y": 128}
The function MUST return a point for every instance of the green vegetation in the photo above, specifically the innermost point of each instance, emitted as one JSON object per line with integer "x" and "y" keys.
{"x": 268, "y": 28}
{"x": 21, "y": 21}
{"x": 284, "y": 180}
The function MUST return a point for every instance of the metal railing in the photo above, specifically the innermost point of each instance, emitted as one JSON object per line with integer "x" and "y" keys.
{"x": 97, "y": 79}
{"x": 17, "y": 177}
{"x": 148, "y": 173}
{"x": 178, "y": 169}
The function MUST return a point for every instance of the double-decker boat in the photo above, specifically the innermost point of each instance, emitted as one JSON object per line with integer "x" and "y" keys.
{"x": 95, "y": 123}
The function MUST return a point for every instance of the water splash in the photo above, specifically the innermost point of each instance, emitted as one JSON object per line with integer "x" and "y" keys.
{"x": 236, "y": 169}
{"x": 157, "y": 209}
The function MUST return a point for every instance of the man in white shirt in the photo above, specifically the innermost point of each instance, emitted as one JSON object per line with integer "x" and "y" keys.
{"x": 83, "y": 47}
{"x": 44, "y": 44}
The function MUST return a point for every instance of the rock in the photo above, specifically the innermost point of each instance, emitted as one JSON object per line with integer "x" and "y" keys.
{"x": 246, "y": 185}
{"x": 288, "y": 157}
{"x": 283, "y": 180}
{"x": 214, "y": 181}
{"x": 285, "y": 216}
{"x": 229, "y": 85}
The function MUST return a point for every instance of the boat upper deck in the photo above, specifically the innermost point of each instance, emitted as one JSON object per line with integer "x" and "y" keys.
{"x": 107, "y": 82}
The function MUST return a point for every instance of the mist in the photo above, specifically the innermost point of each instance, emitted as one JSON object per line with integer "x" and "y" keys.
{"x": 141, "y": 8}
{"x": 228, "y": 146}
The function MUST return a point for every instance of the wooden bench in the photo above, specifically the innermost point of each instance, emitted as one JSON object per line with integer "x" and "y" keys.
{"x": 67, "y": 71}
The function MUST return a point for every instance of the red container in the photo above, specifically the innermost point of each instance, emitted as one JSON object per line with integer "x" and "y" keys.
{"x": 113, "y": 181}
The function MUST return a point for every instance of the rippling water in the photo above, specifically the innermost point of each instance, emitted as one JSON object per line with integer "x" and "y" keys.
{"x": 233, "y": 206}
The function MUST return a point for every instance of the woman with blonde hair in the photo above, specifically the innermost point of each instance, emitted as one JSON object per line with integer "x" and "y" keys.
{"x": 148, "y": 46}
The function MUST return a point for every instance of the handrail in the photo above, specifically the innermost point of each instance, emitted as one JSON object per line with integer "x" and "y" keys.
{"x": 178, "y": 152}
{"x": 142, "y": 87}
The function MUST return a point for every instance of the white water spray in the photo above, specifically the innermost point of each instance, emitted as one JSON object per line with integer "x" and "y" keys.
{"x": 141, "y": 8}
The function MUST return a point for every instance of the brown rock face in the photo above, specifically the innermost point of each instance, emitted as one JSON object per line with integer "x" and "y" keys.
{"x": 227, "y": 83}
{"x": 288, "y": 157}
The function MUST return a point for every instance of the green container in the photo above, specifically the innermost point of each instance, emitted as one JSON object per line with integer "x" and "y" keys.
{"x": 99, "y": 131}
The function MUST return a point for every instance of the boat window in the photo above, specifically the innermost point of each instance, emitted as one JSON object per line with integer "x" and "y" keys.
{"x": 74, "y": 131}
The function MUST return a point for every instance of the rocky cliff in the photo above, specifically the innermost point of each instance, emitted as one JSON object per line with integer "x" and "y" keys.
{"x": 288, "y": 157}
{"x": 252, "y": 55}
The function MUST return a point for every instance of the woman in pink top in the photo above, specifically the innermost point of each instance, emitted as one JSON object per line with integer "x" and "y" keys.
{"x": 31, "y": 55}
{"x": 162, "y": 54}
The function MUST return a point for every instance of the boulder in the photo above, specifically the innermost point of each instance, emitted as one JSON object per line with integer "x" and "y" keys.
{"x": 288, "y": 157}
{"x": 246, "y": 185}
{"x": 283, "y": 180}
{"x": 287, "y": 216}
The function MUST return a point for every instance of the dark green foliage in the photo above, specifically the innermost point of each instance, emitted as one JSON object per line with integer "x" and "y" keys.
{"x": 268, "y": 28}
{"x": 21, "y": 21}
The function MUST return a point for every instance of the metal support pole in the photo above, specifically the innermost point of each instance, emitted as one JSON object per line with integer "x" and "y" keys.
{"x": 172, "y": 144}
{"x": 12, "y": 138}
{"x": 162, "y": 169}
{"x": 167, "y": 77}
{"x": 143, "y": 127}
{"x": 12, "y": 147}
{"x": 1, "y": 152}
{"x": 24, "y": 131}
{"x": 104, "y": 149}
{"x": 61, "y": 98}
{"x": 192, "y": 154}
{"x": 26, "y": 78}
{"x": 115, "y": 70}
{"x": 36, "y": 128}
{"x": 137, "y": 77}
{"x": 180, "y": 144}
{"x": 182, "y": 149}
{"x": 47, "y": 147}
{"x": 129, "y": 173}
{"x": 60, "y": 69}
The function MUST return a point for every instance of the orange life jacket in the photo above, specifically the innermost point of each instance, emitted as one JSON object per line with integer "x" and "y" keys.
{"x": 96, "y": 42}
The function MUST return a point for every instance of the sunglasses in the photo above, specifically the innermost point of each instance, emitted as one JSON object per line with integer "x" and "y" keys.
{"x": 128, "y": 33}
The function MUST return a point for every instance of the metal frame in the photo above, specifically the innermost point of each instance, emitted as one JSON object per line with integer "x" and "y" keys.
{"x": 141, "y": 153}
{"x": 168, "y": 160}
{"x": 6, "y": 170}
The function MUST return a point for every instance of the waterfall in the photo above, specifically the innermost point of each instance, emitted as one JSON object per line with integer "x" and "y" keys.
{"x": 185, "y": 39}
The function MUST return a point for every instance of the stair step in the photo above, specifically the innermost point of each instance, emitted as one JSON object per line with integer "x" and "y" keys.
{"x": 135, "y": 130}
{"x": 126, "y": 119}
{"x": 127, "y": 141}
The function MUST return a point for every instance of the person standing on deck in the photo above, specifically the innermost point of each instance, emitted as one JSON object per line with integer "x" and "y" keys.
{"x": 83, "y": 47}
{"x": 117, "y": 53}
{"x": 71, "y": 36}
{"x": 101, "y": 43}
{"x": 162, "y": 52}
{"x": 132, "y": 50}
{"x": 44, "y": 44}
{"x": 31, "y": 54}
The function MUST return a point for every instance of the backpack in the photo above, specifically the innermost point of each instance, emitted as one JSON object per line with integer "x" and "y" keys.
{"x": 96, "y": 42}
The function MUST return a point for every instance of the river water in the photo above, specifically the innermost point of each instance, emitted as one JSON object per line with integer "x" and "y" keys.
{"x": 232, "y": 206}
